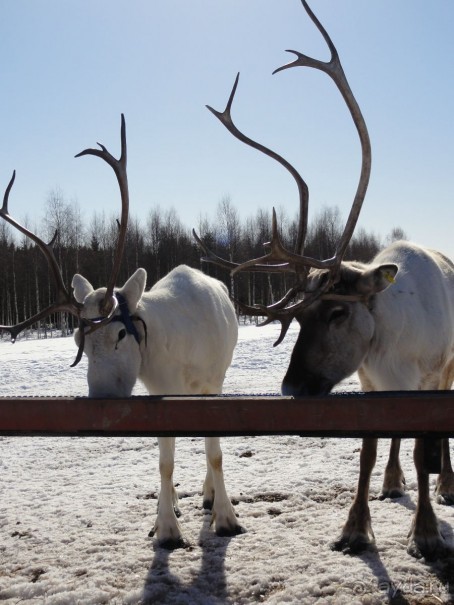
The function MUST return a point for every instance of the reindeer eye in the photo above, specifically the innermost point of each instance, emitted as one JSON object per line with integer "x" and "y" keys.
{"x": 121, "y": 334}
{"x": 323, "y": 279}
{"x": 338, "y": 314}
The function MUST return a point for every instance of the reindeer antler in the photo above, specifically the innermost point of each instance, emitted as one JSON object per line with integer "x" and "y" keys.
{"x": 335, "y": 71}
{"x": 64, "y": 301}
{"x": 63, "y": 298}
{"x": 279, "y": 259}
{"x": 226, "y": 118}
{"x": 119, "y": 167}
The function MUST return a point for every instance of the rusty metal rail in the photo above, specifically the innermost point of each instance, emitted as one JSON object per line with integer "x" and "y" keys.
{"x": 405, "y": 414}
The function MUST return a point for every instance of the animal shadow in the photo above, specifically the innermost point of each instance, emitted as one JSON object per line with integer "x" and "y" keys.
{"x": 208, "y": 584}
{"x": 419, "y": 592}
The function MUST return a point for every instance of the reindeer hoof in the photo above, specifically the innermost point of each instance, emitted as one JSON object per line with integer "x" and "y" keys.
{"x": 446, "y": 499}
{"x": 173, "y": 544}
{"x": 444, "y": 490}
{"x": 207, "y": 504}
{"x": 431, "y": 550}
{"x": 229, "y": 531}
{"x": 444, "y": 496}
{"x": 392, "y": 493}
{"x": 352, "y": 546}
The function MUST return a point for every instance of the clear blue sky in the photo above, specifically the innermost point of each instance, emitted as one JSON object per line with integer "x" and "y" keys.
{"x": 68, "y": 69}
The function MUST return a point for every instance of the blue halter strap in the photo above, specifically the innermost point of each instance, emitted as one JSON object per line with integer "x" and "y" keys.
{"x": 125, "y": 317}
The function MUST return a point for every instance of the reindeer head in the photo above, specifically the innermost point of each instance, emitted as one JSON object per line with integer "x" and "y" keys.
{"x": 335, "y": 330}
{"x": 114, "y": 354}
{"x": 109, "y": 329}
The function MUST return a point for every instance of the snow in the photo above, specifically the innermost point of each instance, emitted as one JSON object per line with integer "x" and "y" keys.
{"x": 75, "y": 512}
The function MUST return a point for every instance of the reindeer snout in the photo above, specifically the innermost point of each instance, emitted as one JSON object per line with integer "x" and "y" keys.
{"x": 308, "y": 385}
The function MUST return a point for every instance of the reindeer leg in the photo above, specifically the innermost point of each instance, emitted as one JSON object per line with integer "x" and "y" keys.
{"x": 394, "y": 480}
{"x": 214, "y": 493}
{"x": 357, "y": 534}
{"x": 445, "y": 482}
{"x": 208, "y": 485}
{"x": 425, "y": 539}
{"x": 167, "y": 528}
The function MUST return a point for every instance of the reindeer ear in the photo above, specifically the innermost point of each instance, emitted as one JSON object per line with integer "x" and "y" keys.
{"x": 134, "y": 288}
{"x": 82, "y": 287}
{"x": 376, "y": 279}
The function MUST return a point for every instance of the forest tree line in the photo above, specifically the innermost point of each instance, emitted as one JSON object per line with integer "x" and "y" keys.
{"x": 158, "y": 244}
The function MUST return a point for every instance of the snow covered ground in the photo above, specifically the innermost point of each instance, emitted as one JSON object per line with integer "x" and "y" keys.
{"x": 75, "y": 512}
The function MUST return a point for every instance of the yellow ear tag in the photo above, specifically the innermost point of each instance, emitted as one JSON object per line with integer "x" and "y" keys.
{"x": 389, "y": 277}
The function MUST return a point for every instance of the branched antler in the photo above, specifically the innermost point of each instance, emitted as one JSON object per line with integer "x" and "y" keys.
{"x": 279, "y": 259}
{"x": 333, "y": 68}
{"x": 225, "y": 118}
{"x": 119, "y": 167}
{"x": 63, "y": 299}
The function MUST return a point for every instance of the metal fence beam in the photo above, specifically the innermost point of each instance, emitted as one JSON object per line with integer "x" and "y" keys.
{"x": 405, "y": 414}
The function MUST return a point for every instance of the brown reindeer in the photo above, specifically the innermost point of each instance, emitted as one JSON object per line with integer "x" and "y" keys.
{"x": 391, "y": 320}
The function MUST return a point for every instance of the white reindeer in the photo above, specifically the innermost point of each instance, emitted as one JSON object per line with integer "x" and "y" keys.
{"x": 399, "y": 337}
{"x": 177, "y": 338}
{"x": 187, "y": 330}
